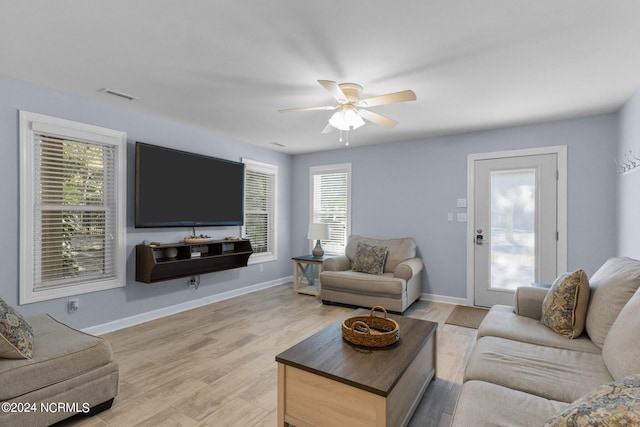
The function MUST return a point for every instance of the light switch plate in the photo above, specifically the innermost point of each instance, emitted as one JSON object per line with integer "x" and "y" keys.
{"x": 462, "y": 217}
{"x": 462, "y": 203}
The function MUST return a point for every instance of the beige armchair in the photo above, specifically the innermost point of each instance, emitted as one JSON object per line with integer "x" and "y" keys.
{"x": 396, "y": 287}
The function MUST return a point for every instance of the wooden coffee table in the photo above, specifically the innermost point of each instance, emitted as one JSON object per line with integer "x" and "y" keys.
{"x": 326, "y": 381}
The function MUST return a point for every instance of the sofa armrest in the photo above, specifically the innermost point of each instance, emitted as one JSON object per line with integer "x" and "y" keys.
{"x": 408, "y": 269}
{"x": 528, "y": 301}
{"x": 337, "y": 263}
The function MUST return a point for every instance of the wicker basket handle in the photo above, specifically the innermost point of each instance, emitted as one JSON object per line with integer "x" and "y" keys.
{"x": 360, "y": 323}
{"x": 379, "y": 307}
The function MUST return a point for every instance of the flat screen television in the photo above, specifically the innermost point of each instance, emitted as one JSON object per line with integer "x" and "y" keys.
{"x": 179, "y": 189}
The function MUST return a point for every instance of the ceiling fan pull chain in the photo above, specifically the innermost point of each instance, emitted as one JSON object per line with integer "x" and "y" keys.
{"x": 340, "y": 139}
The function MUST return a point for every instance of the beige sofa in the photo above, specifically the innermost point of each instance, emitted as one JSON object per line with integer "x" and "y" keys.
{"x": 70, "y": 373}
{"x": 521, "y": 373}
{"x": 399, "y": 285}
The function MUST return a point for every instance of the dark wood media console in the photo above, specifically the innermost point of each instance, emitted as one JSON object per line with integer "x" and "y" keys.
{"x": 153, "y": 265}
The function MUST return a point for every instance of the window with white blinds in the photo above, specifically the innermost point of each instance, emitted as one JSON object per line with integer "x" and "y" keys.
{"x": 260, "y": 209}
{"x": 331, "y": 204}
{"x": 73, "y": 208}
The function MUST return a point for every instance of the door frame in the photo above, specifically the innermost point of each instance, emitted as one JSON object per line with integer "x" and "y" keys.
{"x": 561, "y": 257}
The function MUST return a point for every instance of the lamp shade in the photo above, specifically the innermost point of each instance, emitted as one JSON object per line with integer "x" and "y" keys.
{"x": 318, "y": 231}
{"x": 346, "y": 118}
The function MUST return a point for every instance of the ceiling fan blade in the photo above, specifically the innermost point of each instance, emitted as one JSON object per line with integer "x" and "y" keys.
{"x": 324, "y": 108}
{"x": 390, "y": 98}
{"x": 328, "y": 128}
{"x": 376, "y": 118}
{"x": 334, "y": 90}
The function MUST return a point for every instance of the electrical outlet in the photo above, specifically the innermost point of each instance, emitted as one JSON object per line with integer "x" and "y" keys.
{"x": 461, "y": 217}
{"x": 461, "y": 203}
{"x": 73, "y": 305}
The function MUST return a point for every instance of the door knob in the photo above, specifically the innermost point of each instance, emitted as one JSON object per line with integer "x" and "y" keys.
{"x": 479, "y": 237}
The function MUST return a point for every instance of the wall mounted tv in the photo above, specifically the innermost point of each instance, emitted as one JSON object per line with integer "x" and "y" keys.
{"x": 179, "y": 189}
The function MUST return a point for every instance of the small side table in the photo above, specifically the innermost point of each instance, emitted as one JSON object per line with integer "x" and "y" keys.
{"x": 304, "y": 274}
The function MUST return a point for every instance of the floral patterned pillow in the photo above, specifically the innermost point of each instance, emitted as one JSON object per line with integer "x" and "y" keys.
{"x": 613, "y": 404}
{"x": 564, "y": 308}
{"x": 16, "y": 335}
{"x": 369, "y": 258}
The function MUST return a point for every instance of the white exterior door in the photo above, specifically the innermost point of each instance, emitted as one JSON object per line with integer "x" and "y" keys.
{"x": 513, "y": 224}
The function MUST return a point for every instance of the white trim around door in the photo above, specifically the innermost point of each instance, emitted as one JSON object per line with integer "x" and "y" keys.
{"x": 561, "y": 152}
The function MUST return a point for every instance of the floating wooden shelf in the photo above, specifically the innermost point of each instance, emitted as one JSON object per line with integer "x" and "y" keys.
{"x": 153, "y": 264}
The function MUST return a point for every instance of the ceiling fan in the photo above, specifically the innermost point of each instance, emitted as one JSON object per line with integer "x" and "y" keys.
{"x": 351, "y": 109}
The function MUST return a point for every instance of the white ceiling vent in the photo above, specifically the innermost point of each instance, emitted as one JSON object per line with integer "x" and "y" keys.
{"x": 120, "y": 94}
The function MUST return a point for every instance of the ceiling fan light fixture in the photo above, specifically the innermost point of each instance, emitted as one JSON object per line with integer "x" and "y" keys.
{"x": 346, "y": 118}
{"x": 347, "y": 115}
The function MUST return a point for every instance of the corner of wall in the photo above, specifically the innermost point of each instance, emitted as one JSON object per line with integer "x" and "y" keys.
{"x": 628, "y": 183}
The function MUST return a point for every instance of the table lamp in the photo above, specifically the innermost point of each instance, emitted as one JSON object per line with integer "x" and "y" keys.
{"x": 318, "y": 231}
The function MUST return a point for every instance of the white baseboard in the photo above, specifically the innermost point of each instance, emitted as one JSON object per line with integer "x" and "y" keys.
{"x": 444, "y": 299}
{"x": 178, "y": 308}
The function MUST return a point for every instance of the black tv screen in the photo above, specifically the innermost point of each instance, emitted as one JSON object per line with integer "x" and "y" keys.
{"x": 179, "y": 189}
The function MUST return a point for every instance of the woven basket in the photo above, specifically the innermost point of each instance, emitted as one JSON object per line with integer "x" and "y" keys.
{"x": 371, "y": 331}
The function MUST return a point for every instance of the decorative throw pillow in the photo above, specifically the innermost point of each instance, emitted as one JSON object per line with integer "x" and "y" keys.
{"x": 369, "y": 258}
{"x": 564, "y": 308}
{"x": 16, "y": 335}
{"x": 613, "y": 404}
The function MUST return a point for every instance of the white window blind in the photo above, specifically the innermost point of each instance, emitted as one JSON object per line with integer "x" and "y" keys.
{"x": 260, "y": 209}
{"x": 331, "y": 204}
{"x": 74, "y": 212}
{"x": 73, "y": 231}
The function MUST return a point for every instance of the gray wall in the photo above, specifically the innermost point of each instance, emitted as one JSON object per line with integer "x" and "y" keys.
{"x": 101, "y": 307}
{"x": 401, "y": 189}
{"x": 629, "y": 185}
{"x": 407, "y": 189}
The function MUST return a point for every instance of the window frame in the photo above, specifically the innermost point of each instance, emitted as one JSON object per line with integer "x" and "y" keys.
{"x": 325, "y": 170}
{"x": 272, "y": 235}
{"x": 32, "y": 124}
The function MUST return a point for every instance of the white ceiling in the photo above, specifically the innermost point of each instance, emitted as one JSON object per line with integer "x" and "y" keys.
{"x": 229, "y": 65}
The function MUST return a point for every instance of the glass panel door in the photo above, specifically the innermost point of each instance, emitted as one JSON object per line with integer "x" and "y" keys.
{"x": 514, "y": 224}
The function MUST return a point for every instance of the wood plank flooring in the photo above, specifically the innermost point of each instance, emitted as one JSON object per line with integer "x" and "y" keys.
{"x": 215, "y": 365}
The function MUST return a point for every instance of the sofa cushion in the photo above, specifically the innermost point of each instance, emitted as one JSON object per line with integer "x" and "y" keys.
{"x": 364, "y": 283}
{"x": 613, "y": 404}
{"x": 59, "y": 353}
{"x": 398, "y": 249}
{"x": 501, "y": 406}
{"x": 502, "y": 322}
{"x": 369, "y": 258}
{"x": 621, "y": 350}
{"x": 565, "y": 306}
{"x": 553, "y": 373}
{"x": 611, "y": 287}
{"x": 16, "y": 335}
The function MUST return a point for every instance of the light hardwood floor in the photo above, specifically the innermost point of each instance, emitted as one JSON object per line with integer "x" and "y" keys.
{"x": 215, "y": 365}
